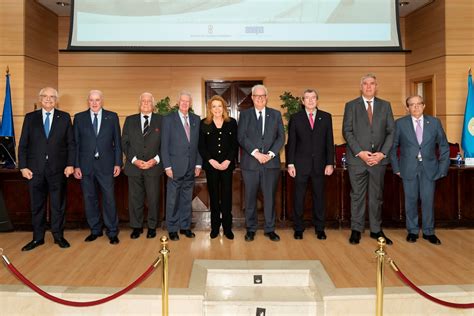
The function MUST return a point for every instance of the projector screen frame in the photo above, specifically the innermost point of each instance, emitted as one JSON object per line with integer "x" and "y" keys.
{"x": 232, "y": 49}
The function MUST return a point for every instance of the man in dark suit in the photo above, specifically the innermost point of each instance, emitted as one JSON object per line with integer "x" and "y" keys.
{"x": 46, "y": 158}
{"x": 98, "y": 161}
{"x": 182, "y": 163}
{"x": 310, "y": 156}
{"x": 419, "y": 166}
{"x": 368, "y": 129}
{"x": 261, "y": 136}
{"x": 141, "y": 140}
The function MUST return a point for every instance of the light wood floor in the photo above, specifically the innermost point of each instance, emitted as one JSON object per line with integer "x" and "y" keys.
{"x": 100, "y": 264}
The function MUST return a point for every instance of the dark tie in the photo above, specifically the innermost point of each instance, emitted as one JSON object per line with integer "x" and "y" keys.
{"x": 260, "y": 122}
{"x": 46, "y": 125}
{"x": 146, "y": 125}
{"x": 369, "y": 111}
{"x": 95, "y": 124}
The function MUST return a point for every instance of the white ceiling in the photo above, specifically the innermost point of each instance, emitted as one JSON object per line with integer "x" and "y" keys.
{"x": 56, "y": 7}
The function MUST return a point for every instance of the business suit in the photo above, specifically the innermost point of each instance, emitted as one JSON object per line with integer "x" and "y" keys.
{"x": 419, "y": 175}
{"x": 136, "y": 145}
{"x": 182, "y": 156}
{"x": 256, "y": 175}
{"x": 219, "y": 144}
{"x": 310, "y": 150}
{"x": 377, "y": 137}
{"x": 47, "y": 158}
{"x": 96, "y": 157}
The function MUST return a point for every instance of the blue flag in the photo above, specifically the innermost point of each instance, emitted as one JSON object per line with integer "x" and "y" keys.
{"x": 6, "y": 128}
{"x": 7, "y": 132}
{"x": 467, "y": 142}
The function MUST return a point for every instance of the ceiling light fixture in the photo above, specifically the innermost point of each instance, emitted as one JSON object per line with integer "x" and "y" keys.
{"x": 404, "y": 3}
{"x": 62, "y": 4}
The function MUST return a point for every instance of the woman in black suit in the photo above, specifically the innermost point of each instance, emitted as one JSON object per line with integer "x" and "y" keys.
{"x": 218, "y": 148}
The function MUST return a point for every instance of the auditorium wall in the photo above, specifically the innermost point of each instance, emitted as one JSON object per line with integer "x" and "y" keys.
{"x": 28, "y": 46}
{"x": 440, "y": 37}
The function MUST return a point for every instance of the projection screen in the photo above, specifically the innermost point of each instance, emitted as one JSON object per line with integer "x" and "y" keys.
{"x": 235, "y": 25}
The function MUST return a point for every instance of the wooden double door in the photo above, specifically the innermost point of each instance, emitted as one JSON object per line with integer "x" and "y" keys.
{"x": 237, "y": 93}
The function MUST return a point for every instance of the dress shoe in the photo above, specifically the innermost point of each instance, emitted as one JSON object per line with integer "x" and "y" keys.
{"x": 32, "y": 245}
{"x": 249, "y": 236}
{"x": 173, "y": 236}
{"x": 214, "y": 233}
{"x": 381, "y": 234}
{"x": 91, "y": 237}
{"x": 412, "y": 237}
{"x": 229, "y": 234}
{"x": 432, "y": 239}
{"x": 298, "y": 235}
{"x": 272, "y": 236}
{"x": 321, "y": 235}
{"x": 136, "y": 233}
{"x": 151, "y": 233}
{"x": 355, "y": 237}
{"x": 62, "y": 243}
{"x": 187, "y": 232}
{"x": 114, "y": 240}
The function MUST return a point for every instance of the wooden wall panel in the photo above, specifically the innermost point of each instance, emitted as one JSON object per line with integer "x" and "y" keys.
{"x": 17, "y": 82}
{"x": 41, "y": 33}
{"x": 11, "y": 27}
{"x": 436, "y": 68}
{"x": 460, "y": 27}
{"x": 456, "y": 82}
{"x": 453, "y": 125}
{"x": 122, "y": 85}
{"x": 425, "y": 32}
{"x": 38, "y": 75}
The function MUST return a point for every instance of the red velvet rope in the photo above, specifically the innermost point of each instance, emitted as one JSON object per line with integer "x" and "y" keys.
{"x": 426, "y": 295}
{"x": 58, "y": 300}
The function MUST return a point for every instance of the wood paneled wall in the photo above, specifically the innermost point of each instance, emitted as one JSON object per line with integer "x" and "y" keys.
{"x": 28, "y": 45}
{"x": 441, "y": 37}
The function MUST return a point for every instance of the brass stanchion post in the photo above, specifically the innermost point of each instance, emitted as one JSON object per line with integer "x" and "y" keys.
{"x": 380, "y": 252}
{"x": 164, "y": 278}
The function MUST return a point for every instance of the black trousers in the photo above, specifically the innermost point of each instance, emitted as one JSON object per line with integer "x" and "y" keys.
{"x": 219, "y": 184}
{"x": 318, "y": 211}
{"x": 39, "y": 186}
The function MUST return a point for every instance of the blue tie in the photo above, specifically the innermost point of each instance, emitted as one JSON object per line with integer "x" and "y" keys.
{"x": 46, "y": 125}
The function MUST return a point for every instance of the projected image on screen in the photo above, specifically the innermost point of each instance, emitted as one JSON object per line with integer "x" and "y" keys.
{"x": 259, "y": 24}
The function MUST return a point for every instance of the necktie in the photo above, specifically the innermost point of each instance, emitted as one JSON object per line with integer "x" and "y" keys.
{"x": 146, "y": 125}
{"x": 369, "y": 111}
{"x": 311, "y": 120}
{"x": 95, "y": 124}
{"x": 260, "y": 122}
{"x": 419, "y": 132}
{"x": 187, "y": 129}
{"x": 46, "y": 125}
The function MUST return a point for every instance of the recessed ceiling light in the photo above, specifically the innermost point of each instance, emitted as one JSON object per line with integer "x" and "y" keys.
{"x": 62, "y": 4}
{"x": 404, "y": 3}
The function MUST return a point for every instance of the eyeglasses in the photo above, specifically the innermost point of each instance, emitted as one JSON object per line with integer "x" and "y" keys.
{"x": 259, "y": 96}
{"x": 416, "y": 105}
{"x": 52, "y": 97}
